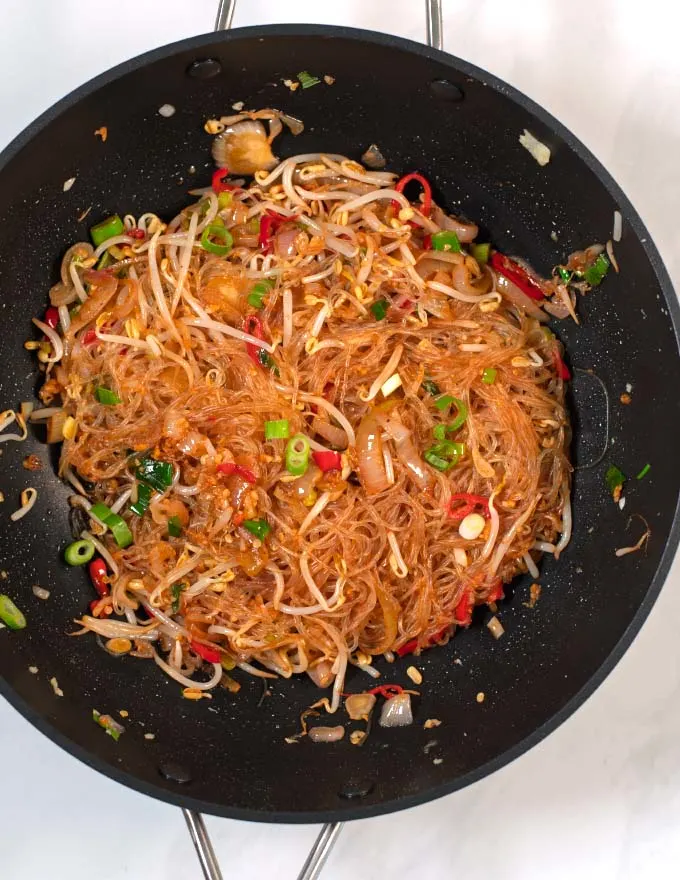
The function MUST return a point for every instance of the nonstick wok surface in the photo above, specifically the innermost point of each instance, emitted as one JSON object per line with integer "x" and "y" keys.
{"x": 459, "y": 126}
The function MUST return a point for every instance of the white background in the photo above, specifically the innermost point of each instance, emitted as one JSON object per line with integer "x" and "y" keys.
{"x": 598, "y": 800}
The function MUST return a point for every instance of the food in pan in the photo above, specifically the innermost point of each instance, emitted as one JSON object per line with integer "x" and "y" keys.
{"x": 312, "y": 421}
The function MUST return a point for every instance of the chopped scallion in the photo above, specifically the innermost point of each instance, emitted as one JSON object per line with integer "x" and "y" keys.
{"x": 481, "y": 252}
{"x": 174, "y": 527}
{"x": 258, "y": 527}
{"x": 446, "y": 240}
{"x": 10, "y": 614}
{"x": 307, "y": 80}
{"x": 106, "y": 396}
{"x": 489, "y": 375}
{"x": 107, "y": 229}
{"x": 595, "y": 273}
{"x": 276, "y": 430}
{"x": 379, "y": 309}
{"x": 643, "y": 473}
{"x": 614, "y": 478}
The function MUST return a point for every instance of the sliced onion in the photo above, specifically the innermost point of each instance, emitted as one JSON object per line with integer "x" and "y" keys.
{"x": 359, "y": 706}
{"x": 370, "y": 456}
{"x": 322, "y": 675}
{"x": 335, "y": 436}
{"x": 326, "y": 734}
{"x": 55, "y": 426}
{"x": 406, "y": 450}
{"x": 511, "y": 292}
{"x": 396, "y": 712}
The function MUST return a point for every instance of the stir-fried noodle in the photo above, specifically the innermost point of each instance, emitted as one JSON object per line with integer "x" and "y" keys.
{"x": 428, "y": 397}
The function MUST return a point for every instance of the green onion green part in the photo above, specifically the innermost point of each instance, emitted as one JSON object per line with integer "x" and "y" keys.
{"x": 439, "y": 432}
{"x": 379, "y": 309}
{"x": 489, "y": 375}
{"x": 481, "y": 252}
{"x": 258, "y": 293}
{"x": 105, "y": 230}
{"x": 217, "y": 240}
{"x": 10, "y": 614}
{"x": 306, "y": 79}
{"x": 174, "y": 527}
{"x": 268, "y": 361}
{"x": 643, "y": 473}
{"x": 158, "y": 474}
{"x": 564, "y": 274}
{"x": 614, "y": 478}
{"x": 297, "y": 455}
{"x": 141, "y": 505}
{"x": 594, "y": 274}
{"x": 258, "y": 527}
{"x": 79, "y": 552}
{"x": 106, "y": 396}
{"x": 176, "y": 591}
{"x": 431, "y": 387}
{"x": 224, "y": 199}
{"x": 444, "y": 402}
{"x": 445, "y": 241}
{"x": 277, "y": 430}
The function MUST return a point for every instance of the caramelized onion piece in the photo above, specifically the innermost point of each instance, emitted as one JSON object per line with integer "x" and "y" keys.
{"x": 244, "y": 148}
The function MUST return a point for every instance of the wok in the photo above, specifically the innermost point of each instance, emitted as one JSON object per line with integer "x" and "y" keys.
{"x": 459, "y": 126}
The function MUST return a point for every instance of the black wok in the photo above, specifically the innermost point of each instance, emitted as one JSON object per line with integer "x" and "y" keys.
{"x": 459, "y": 126}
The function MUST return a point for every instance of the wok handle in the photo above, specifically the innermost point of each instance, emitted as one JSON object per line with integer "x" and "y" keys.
{"x": 204, "y": 850}
{"x": 331, "y": 831}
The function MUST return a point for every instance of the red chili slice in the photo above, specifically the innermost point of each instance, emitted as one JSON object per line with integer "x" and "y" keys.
{"x": 52, "y": 317}
{"x": 561, "y": 367}
{"x": 463, "y": 610}
{"x": 98, "y": 576}
{"x": 519, "y": 276}
{"x": 228, "y": 468}
{"x": 89, "y": 337}
{"x": 137, "y": 233}
{"x": 269, "y": 223}
{"x": 470, "y": 504}
{"x": 427, "y": 192}
{"x": 253, "y": 327}
{"x": 407, "y": 648}
{"x": 387, "y": 690}
{"x": 206, "y": 652}
{"x": 218, "y": 185}
{"x": 327, "y": 461}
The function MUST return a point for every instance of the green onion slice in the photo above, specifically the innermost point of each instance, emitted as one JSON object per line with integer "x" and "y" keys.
{"x": 10, "y": 614}
{"x": 106, "y": 396}
{"x": 79, "y": 552}
{"x": 223, "y": 244}
{"x": 258, "y": 527}
{"x": 107, "y": 229}
{"x": 446, "y": 240}
{"x": 379, "y": 309}
{"x": 297, "y": 455}
{"x": 276, "y": 430}
{"x": 158, "y": 474}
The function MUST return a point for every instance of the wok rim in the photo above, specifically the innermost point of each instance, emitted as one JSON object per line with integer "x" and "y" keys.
{"x": 358, "y": 810}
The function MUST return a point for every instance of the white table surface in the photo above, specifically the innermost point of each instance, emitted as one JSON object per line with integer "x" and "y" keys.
{"x": 600, "y": 798}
